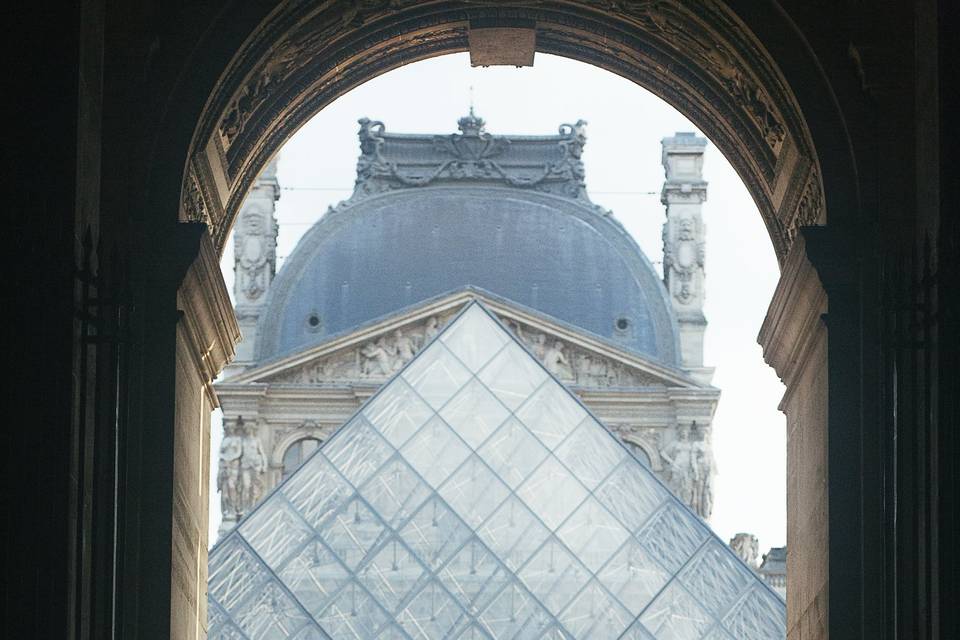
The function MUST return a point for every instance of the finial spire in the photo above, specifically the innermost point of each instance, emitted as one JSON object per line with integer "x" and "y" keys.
{"x": 471, "y": 124}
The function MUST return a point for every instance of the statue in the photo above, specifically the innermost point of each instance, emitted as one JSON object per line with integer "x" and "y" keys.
{"x": 253, "y": 256}
{"x": 679, "y": 456}
{"x": 376, "y": 359}
{"x": 431, "y": 329}
{"x": 747, "y": 547}
{"x": 228, "y": 472}
{"x": 403, "y": 349}
{"x": 705, "y": 466}
{"x": 555, "y": 362}
{"x": 253, "y": 464}
{"x": 538, "y": 345}
{"x": 594, "y": 371}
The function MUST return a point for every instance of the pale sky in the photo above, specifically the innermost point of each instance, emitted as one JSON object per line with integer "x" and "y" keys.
{"x": 622, "y": 157}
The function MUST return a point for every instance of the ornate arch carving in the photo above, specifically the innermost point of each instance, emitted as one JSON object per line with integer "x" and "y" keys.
{"x": 286, "y": 440}
{"x": 653, "y": 454}
{"x": 699, "y": 57}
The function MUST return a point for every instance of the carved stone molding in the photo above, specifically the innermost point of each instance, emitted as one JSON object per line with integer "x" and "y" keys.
{"x": 379, "y": 356}
{"x": 192, "y": 205}
{"x": 376, "y": 359}
{"x": 697, "y": 56}
{"x": 285, "y": 436}
{"x": 551, "y": 164}
{"x": 794, "y": 320}
{"x": 207, "y": 315}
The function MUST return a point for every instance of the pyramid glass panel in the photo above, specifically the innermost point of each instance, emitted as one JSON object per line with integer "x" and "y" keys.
{"x": 474, "y": 497}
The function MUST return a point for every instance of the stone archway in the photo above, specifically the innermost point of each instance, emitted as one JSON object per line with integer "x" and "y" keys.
{"x": 701, "y": 58}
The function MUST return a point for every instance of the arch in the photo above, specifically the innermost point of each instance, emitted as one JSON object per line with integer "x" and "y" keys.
{"x": 296, "y": 450}
{"x": 307, "y": 430}
{"x": 739, "y": 69}
{"x": 653, "y": 456}
{"x": 699, "y": 57}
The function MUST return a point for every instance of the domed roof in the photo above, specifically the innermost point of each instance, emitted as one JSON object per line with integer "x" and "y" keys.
{"x": 433, "y": 214}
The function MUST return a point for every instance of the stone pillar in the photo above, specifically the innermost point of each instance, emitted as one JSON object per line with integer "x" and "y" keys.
{"x": 794, "y": 340}
{"x": 255, "y": 261}
{"x": 684, "y": 234}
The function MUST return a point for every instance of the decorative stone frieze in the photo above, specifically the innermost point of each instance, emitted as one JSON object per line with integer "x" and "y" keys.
{"x": 697, "y": 55}
{"x": 551, "y": 164}
{"x": 684, "y": 240}
{"x": 255, "y": 260}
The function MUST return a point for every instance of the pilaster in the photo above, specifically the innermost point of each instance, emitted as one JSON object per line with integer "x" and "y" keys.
{"x": 206, "y": 336}
{"x": 255, "y": 261}
{"x": 794, "y": 341}
{"x": 684, "y": 237}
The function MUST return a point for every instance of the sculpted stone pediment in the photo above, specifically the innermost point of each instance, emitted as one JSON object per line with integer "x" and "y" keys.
{"x": 369, "y": 358}
{"x": 374, "y": 354}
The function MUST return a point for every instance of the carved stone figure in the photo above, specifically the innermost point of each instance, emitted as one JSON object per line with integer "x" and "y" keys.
{"x": 376, "y": 360}
{"x": 706, "y": 468}
{"x": 683, "y": 258}
{"x": 228, "y": 471}
{"x": 681, "y": 468}
{"x": 371, "y": 162}
{"x": 595, "y": 372}
{"x": 556, "y": 362}
{"x": 253, "y": 464}
{"x": 538, "y": 344}
{"x": 403, "y": 349}
{"x": 747, "y": 547}
{"x": 253, "y": 256}
{"x": 430, "y": 329}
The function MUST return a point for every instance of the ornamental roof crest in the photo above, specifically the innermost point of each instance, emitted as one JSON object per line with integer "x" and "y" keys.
{"x": 549, "y": 164}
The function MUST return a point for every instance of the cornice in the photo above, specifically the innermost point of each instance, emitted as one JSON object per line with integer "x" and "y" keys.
{"x": 571, "y": 336}
{"x": 794, "y": 319}
{"x": 207, "y": 318}
{"x": 699, "y": 56}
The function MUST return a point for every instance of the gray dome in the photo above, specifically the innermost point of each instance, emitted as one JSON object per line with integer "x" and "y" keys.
{"x": 387, "y": 251}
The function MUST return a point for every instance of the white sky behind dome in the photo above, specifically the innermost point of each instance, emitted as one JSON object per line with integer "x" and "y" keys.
{"x": 317, "y": 167}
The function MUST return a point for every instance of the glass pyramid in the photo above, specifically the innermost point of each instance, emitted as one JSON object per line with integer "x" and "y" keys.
{"x": 473, "y": 497}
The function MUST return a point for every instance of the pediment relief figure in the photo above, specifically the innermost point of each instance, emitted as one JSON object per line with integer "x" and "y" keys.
{"x": 375, "y": 359}
{"x": 576, "y": 365}
{"x": 380, "y": 356}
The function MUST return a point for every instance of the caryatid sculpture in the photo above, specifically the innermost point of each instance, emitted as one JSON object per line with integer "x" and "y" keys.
{"x": 680, "y": 458}
{"x": 228, "y": 473}
{"x": 253, "y": 464}
{"x": 705, "y": 465}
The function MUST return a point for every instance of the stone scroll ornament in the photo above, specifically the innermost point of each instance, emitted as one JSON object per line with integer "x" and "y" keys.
{"x": 254, "y": 255}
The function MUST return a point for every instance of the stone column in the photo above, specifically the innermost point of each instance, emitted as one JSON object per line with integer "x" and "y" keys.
{"x": 255, "y": 261}
{"x": 684, "y": 234}
{"x": 206, "y": 334}
{"x": 795, "y": 344}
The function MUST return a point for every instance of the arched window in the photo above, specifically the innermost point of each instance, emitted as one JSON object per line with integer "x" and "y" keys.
{"x": 640, "y": 453}
{"x": 296, "y": 453}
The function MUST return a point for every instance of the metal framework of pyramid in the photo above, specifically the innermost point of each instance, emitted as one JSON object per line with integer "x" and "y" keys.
{"x": 474, "y": 497}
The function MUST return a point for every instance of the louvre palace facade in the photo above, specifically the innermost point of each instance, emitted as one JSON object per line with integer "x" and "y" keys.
{"x": 438, "y": 224}
{"x": 438, "y": 220}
